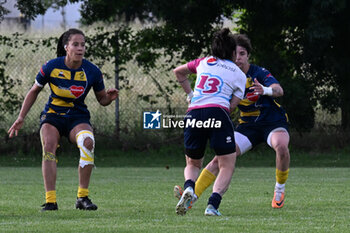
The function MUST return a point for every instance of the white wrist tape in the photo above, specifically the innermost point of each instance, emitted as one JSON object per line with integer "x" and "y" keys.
{"x": 189, "y": 96}
{"x": 267, "y": 91}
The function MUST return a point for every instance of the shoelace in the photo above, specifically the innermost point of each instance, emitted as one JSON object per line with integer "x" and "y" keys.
{"x": 87, "y": 200}
{"x": 278, "y": 195}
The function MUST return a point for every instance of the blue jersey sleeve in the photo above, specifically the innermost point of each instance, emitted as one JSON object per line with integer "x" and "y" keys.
{"x": 98, "y": 84}
{"x": 266, "y": 78}
{"x": 44, "y": 75}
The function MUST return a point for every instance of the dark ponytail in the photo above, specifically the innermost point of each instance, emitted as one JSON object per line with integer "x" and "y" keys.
{"x": 60, "y": 47}
{"x": 64, "y": 39}
{"x": 223, "y": 44}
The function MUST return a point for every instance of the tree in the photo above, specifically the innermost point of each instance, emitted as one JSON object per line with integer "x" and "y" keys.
{"x": 273, "y": 28}
{"x": 32, "y": 8}
{"x": 3, "y": 10}
{"x": 327, "y": 42}
{"x": 302, "y": 42}
{"x": 183, "y": 25}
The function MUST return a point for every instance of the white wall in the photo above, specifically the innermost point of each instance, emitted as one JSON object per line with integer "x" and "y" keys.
{"x": 53, "y": 19}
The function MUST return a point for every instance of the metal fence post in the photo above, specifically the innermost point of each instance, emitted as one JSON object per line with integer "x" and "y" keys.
{"x": 116, "y": 65}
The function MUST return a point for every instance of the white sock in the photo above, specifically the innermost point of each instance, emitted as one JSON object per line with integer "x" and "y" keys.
{"x": 279, "y": 187}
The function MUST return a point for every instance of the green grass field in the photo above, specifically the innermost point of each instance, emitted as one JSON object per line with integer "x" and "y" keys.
{"x": 140, "y": 199}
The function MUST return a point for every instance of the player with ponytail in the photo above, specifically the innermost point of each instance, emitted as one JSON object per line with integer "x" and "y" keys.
{"x": 219, "y": 88}
{"x": 70, "y": 78}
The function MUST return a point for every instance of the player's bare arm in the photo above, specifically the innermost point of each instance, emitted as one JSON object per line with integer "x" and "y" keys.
{"x": 274, "y": 90}
{"x": 27, "y": 104}
{"x": 277, "y": 90}
{"x": 181, "y": 74}
{"x": 234, "y": 102}
{"x": 106, "y": 97}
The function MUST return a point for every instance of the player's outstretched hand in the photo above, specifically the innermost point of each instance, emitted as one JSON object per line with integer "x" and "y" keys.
{"x": 112, "y": 93}
{"x": 257, "y": 88}
{"x": 17, "y": 125}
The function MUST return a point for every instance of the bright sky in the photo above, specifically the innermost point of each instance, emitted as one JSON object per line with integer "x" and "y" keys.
{"x": 53, "y": 18}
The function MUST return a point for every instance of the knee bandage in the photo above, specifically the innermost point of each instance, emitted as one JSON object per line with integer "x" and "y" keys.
{"x": 86, "y": 155}
{"x": 47, "y": 156}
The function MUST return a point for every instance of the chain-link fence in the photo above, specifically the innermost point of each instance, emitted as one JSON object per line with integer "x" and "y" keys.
{"x": 139, "y": 91}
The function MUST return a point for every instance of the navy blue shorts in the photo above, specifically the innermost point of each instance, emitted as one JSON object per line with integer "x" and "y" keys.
{"x": 221, "y": 138}
{"x": 63, "y": 123}
{"x": 258, "y": 132}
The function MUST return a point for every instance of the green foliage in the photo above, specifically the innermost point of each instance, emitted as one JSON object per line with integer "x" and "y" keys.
{"x": 301, "y": 42}
{"x": 112, "y": 45}
{"x": 9, "y": 101}
{"x": 327, "y": 36}
{"x": 3, "y": 10}
{"x": 32, "y": 8}
{"x": 183, "y": 26}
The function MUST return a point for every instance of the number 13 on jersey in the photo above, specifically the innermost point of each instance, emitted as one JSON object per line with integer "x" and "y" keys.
{"x": 209, "y": 84}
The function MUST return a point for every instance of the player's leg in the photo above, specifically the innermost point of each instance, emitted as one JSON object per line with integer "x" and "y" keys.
{"x": 209, "y": 173}
{"x": 49, "y": 139}
{"x": 226, "y": 169}
{"x": 82, "y": 135}
{"x": 191, "y": 171}
{"x": 195, "y": 140}
{"x": 207, "y": 177}
{"x": 279, "y": 140}
{"x": 222, "y": 140}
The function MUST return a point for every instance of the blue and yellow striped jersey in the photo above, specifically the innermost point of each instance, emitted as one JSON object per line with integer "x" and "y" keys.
{"x": 69, "y": 87}
{"x": 265, "y": 109}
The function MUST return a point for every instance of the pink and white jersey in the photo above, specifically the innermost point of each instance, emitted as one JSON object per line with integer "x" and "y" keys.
{"x": 217, "y": 81}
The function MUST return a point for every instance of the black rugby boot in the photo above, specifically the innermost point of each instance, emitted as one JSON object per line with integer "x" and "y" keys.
{"x": 49, "y": 206}
{"x": 84, "y": 203}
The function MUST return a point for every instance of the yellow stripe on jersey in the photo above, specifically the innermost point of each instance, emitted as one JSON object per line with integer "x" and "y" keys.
{"x": 249, "y": 82}
{"x": 59, "y": 73}
{"x": 286, "y": 115}
{"x": 80, "y": 76}
{"x": 61, "y": 92}
{"x": 242, "y": 121}
{"x": 61, "y": 103}
{"x": 51, "y": 111}
{"x": 245, "y": 102}
{"x": 277, "y": 103}
{"x": 247, "y": 114}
